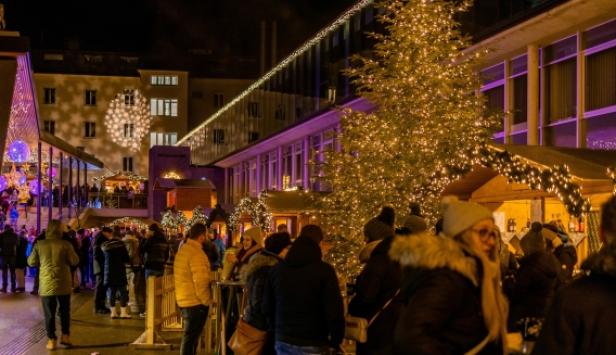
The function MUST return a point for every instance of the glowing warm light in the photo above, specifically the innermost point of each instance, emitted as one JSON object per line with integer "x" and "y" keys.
{"x": 128, "y": 121}
{"x": 172, "y": 175}
{"x": 257, "y": 210}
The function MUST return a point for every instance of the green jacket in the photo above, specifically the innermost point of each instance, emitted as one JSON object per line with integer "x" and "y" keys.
{"x": 54, "y": 257}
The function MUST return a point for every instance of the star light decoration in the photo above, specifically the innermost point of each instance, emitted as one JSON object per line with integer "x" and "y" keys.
{"x": 128, "y": 121}
{"x": 281, "y": 66}
{"x": 256, "y": 209}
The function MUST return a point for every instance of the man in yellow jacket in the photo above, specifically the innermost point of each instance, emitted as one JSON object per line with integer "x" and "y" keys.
{"x": 192, "y": 286}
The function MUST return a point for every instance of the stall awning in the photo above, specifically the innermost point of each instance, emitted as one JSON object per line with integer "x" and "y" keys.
{"x": 292, "y": 202}
{"x": 70, "y": 150}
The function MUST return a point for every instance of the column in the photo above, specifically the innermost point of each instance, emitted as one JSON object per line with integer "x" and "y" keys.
{"x": 85, "y": 182}
{"x": 258, "y": 174}
{"x": 508, "y": 114}
{"x": 580, "y": 93}
{"x": 39, "y": 189}
{"x": 280, "y": 172}
{"x": 60, "y": 199}
{"x": 70, "y": 187}
{"x": 533, "y": 95}
{"x": 306, "y": 158}
{"x": 50, "y": 187}
{"x": 77, "y": 190}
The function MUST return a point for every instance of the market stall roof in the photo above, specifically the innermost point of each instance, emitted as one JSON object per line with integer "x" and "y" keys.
{"x": 170, "y": 184}
{"x": 296, "y": 201}
{"x": 69, "y": 149}
{"x": 584, "y": 164}
{"x": 587, "y": 166}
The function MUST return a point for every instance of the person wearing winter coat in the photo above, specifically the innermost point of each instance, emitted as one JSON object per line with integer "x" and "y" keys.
{"x": 565, "y": 253}
{"x": 55, "y": 257}
{"x": 450, "y": 293}
{"x": 252, "y": 243}
{"x": 377, "y": 284}
{"x": 581, "y": 318}
{"x": 99, "y": 270}
{"x": 192, "y": 287}
{"x": 116, "y": 258}
{"x": 21, "y": 262}
{"x": 536, "y": 282}
{"x": 254, "y": 276}
{"x": 155, "y": 251}
{"x": 8, "y": 257}
{"x": 302, "y": 299}
{"x": 134, "y": 272}
{"x": 85, "y": 244}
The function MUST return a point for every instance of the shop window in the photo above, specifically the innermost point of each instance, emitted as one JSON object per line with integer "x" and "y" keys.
{"x": 601, "y": 79}
{"x": 562, "y": 135}
{"x": 561, "y": 90}
{"x": 601, "y": 132}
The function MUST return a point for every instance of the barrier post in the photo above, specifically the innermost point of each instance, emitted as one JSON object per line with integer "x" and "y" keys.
{"x": 151, "y": 338}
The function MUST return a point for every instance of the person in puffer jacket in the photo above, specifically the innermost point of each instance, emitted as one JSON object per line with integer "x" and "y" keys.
{"x": 450, "y": 292}
{"x": 254, "y": 276}
{"x": 155, "y": 252}
{"x": 115, "y": 280}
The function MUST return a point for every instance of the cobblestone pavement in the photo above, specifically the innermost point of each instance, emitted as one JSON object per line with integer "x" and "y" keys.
{"x": 22, "y": 330}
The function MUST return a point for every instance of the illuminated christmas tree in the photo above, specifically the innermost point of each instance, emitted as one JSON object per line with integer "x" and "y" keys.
{"x": 427, "y": 126}
{"x": 198, "y": 216}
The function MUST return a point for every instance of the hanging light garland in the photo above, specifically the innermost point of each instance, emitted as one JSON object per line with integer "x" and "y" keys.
{"x": 128, "y": 119}
{"x": 257, "y": 210}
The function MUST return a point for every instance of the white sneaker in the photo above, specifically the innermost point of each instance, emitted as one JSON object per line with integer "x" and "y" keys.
{"x": 124, "y": 313}
{"x": 114, "y": 313}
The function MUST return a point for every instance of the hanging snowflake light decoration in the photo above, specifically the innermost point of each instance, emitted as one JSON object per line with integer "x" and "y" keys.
{"x": 128, "y": 119}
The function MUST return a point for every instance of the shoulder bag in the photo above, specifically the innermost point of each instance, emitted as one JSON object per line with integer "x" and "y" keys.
{"x": 247, "y": 340}
{"x": 357, "y": 327}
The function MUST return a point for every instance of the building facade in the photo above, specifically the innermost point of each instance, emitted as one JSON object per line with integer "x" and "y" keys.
{"x": 73, "y": 106}
{"x": 549, "y": 75}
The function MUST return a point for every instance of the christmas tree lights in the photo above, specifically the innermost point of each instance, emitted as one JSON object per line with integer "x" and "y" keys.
{"x": 198, "y": 216}
{"x": 257, "y": 210}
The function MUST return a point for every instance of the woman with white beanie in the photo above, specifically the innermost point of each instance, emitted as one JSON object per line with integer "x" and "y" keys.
{"x": 452, "y": 301}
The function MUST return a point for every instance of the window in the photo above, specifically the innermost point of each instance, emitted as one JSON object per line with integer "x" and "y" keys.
{"x": 219, "y": 100}
{"x": 218, "y": 136}
{"x": 129, "y": 129}
{"x": 520, "y": 99}
{"x": 253, "y": 136}
{"x": 49, "y": 126}
{"x": 89, "y": 129}
{"x": 495, "y": 104}
{"x": 600, "y": 83}
{"x": 163, "y": 138}
{"x": 91, "y": 97}
{"x": 273, "y": 170}
{"x": 127, "y": 164}
{"x": 298, "y": 161}
{"x": 164, "y": 107}
{"x": 164, "y": 80}
{"x": 129, "y": 97}
{"x": 53, "y": 57}
{"x": 253, "y": 109}
{"x": 50, "y": 96}
{"x": 280, "y": 113}
{"x": 560, "y": 81}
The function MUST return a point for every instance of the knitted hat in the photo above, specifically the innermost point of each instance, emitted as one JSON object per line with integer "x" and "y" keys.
{"x": 377, "y": 230}
{"x": 460, "y": 216}
{"x": 255, "y": 234}
{"x": 276, "y": 242}
{"x": 415, "y": 223}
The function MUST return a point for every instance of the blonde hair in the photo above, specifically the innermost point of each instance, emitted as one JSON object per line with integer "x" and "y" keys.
{"x": 54, "y": 229}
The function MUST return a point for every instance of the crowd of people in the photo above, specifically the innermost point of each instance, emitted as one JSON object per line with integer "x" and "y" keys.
{"x": 461, "y": 290}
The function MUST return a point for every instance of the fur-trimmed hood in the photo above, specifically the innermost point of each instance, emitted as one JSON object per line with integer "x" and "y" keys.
{"x": 258, "y": 261}
{"x": 427, "y": 251}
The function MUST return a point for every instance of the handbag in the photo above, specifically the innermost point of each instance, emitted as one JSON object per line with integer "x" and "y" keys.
{"x": 246, "y": 339}
{"x": 357, "y": 327}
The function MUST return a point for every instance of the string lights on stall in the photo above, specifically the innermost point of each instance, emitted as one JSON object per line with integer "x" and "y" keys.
{"x": 257, "y": 211}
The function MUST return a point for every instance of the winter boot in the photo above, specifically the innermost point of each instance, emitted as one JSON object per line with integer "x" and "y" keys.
{"x": 65, "y": 340}
{"x": 114, "y": 313}
{"x": 51, "y": 344}
{"x": 124, "y": 313}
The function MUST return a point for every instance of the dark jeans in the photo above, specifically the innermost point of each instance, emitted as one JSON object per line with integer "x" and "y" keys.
{"x": 114, "y": 291}
{"x": 99, "y": 294}
{"x": 50, "y": 304}
{"x": 6, "y": 268}
{"x": 194, "y": 321}
{"x": 85, "y": 274}
{"x": 289, "y": 349}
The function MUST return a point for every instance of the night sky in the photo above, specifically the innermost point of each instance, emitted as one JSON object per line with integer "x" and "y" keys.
{"x": 169, "y": 28}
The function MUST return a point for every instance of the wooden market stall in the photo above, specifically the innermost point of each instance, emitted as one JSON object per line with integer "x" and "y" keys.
{"x": 516, "y": 205}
